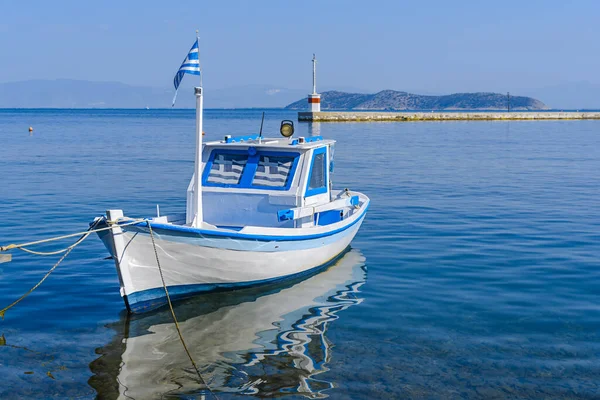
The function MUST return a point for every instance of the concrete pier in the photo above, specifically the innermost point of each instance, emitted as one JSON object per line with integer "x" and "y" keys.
{"x": 357, "y": 116}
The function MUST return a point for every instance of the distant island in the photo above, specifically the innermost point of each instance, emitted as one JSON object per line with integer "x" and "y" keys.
{"x": 393, "y": 100}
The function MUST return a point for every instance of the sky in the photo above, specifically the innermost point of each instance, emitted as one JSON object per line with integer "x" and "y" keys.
{"x": 430, "y": 47}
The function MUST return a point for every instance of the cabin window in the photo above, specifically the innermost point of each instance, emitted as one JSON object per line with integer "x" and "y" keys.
{"x": 227, "y": 169}
{"x": 318, "y": 173}
{"x": 250, "y": 169}
{"x": 273, "y": 171}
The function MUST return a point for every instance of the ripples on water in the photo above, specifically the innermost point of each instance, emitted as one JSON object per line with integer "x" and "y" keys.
{"x": 481, "y": 241}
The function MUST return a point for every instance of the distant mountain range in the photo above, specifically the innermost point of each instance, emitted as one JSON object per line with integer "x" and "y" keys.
{"x": 395, "y": 100}
{"x": 68, "y": 93}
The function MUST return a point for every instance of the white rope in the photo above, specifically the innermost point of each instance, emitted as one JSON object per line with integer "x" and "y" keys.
{"x": 67, "y": 251}
{"x": 83, "y": 235}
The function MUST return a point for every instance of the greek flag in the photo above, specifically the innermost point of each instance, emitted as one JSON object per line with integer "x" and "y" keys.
{"x": 191, "y": 65}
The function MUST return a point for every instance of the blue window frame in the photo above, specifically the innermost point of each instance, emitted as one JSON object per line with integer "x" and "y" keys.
{"x": 318, "y": 175}
{"x": 255, "y": 169}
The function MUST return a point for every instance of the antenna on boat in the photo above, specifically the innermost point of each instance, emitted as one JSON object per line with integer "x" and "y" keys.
{"x": 261, "y": 126}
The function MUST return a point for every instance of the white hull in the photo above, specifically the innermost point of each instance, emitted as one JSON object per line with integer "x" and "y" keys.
{"x": 194, "y": 263}
{"x": 235, "y": 337}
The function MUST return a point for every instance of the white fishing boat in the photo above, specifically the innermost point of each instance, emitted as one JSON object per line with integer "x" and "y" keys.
{"x": 234, "y": 339}
{"x": 259, "y": 210}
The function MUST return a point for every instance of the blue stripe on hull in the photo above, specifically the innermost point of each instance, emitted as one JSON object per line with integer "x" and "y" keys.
{"x": 252, "y": 246}
{"x": 205, "y": 233}
{"x": 151, "y": 299}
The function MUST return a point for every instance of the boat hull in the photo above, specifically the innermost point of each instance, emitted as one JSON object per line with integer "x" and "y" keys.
{"x": 233, "y": 339}
{"x": 195, "y": 263}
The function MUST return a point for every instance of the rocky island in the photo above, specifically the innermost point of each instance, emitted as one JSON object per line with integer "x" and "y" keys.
{"x": 392, "y": 100}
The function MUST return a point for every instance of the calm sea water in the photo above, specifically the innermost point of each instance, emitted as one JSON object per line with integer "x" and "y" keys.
{"x": 475, "y": 275}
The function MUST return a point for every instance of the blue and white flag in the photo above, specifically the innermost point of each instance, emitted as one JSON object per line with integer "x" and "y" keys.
{"x": 191, "y": 65}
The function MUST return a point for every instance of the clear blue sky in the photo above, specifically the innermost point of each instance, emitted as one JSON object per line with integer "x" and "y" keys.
{"x": 425, "y": 46}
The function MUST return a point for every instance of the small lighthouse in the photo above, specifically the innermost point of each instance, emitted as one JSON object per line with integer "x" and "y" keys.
{"x": 314, "y": 99}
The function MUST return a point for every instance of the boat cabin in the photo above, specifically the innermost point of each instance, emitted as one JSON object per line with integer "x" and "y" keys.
{"x": 253, "y": 181}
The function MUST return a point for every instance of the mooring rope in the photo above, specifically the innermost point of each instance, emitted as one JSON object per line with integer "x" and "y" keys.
{"x": 37, "y": 284}
{"x": 51, "y": 253}
{"x": 173, "y": 313}
{"x": 24, "y": 246}
{"x": 67, "y": 250}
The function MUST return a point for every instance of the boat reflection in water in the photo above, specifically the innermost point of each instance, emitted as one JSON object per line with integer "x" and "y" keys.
{"x": 269, "y": 341}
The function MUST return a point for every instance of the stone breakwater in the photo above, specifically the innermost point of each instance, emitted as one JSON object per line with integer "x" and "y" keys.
{"x": 349, "y": 116}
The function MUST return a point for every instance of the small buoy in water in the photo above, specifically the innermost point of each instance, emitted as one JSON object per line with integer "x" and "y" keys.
{"x": 30, "y": 129}
{"x": 203, "y": 133}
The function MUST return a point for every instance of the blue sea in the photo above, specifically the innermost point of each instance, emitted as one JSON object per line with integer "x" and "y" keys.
{"x": 476, "y": 274}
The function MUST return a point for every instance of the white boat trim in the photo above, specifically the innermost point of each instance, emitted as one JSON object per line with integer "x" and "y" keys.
{"x": 266, "y": 234}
